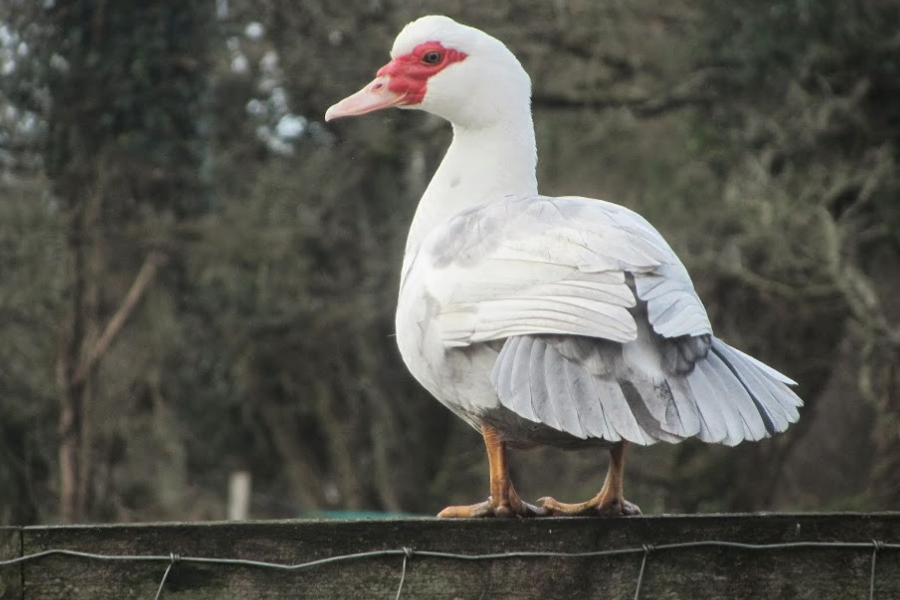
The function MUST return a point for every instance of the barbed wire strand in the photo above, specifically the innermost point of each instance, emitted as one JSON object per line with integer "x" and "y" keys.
{"x": 407, "y": 553}
{"x": 876, "y": 546}
{"x": 637, "y": 588}
{"x": 173, "y": 559}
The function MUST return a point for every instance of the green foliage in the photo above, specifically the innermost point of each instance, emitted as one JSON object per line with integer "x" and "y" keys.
{"x": 807, "y": 134}
{"x": 264, "y": 341}
{"x": 132, "y": 78}
{"x": 30, "y": 252}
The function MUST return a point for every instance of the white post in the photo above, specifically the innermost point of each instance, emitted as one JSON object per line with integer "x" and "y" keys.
{"x": 239, "y": 496}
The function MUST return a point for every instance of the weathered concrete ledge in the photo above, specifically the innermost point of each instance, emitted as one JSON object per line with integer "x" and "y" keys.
{"x": 812, "y": 568}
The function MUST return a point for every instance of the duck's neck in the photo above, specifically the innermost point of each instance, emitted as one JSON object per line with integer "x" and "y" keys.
{"x": 482, "y": 165}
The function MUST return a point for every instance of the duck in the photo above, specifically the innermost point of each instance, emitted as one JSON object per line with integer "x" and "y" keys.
{"x": 547, "y": 321}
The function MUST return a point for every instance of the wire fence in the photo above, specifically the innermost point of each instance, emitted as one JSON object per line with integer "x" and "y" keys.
{"x": 173, "y": 559}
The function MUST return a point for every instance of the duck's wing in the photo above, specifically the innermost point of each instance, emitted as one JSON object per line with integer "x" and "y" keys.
{"x": 604, "y": 334}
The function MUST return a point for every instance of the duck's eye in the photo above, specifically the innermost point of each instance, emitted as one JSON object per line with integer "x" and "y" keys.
{"x": 432, "y": 58}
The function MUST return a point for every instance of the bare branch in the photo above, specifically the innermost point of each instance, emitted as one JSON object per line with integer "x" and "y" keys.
{"x": 695, "y": 90}
{"x": 856, "y": 287}
{"x": 117, "y": 321}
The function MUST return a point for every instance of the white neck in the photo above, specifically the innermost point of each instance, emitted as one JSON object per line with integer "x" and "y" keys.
{"x": 482, "y": 165}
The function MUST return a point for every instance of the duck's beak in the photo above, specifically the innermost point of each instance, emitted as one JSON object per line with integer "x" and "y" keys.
{"x": 374, "y": 96}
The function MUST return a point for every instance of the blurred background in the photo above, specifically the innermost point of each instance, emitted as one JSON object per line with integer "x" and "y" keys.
{"x": 198, "y": 276}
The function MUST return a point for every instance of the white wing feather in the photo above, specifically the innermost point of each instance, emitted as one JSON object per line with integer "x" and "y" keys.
{"x": 536, "y": 271}
{"x": 536, "y": 265}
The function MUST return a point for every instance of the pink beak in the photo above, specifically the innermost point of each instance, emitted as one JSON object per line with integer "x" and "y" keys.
{"x": 374, "y": 96}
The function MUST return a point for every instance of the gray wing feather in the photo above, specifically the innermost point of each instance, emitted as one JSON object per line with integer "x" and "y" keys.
{"x": 713, "y": 424}
{"x": 682, "y": 415}
{"x": 773, "y": 391}
{"x": 557, "y": 265}
{"x": 565, "y": 395}
{"x": 540, "y": 395}
{"x": 673, "y": 307}
{"x": 581, "y": 395}
{"x": 501, "y": 376}
{"x": 776, "y": 403}
{"x": 519, "y": 376}
{"x": 720, "y": 415}
{"x": 585, "y": 353}
{"x": 732, "y": 391}
{"x": 653, "y": 285}
{"x": 767, "y": 370}
{"x": 600, "y": 360}
{"x": 620, "y": 416}
{"x": 541, "y": 266}
{"x": 567, "y": 283}
{"x": 656, "y": 399}
{"x": 593, "y": 418}
{"x": 554, "y": 375}
{"x": 585, "y": 387}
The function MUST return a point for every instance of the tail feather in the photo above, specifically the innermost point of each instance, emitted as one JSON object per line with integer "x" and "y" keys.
{"x": 776, "y": 375}
{"x": 772, "y": 397}
{"x": 731, "y": 390}
{"x": 713, "y": 419}
{"x": 710, "y": 392}
{"x": 539, "y": 395}
{"x": 682, "y": 415}
{"x": 519, "y": 371}
{"x": 589, "y": 389}
{"x": 501, "y": 377}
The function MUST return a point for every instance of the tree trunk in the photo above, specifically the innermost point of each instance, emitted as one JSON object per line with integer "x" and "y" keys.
{"x": 72, "y": 390}
{"x": 122, "y": 154}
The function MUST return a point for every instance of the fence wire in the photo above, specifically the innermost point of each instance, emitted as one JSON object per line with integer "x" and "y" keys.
{"x": 173, "y": 559}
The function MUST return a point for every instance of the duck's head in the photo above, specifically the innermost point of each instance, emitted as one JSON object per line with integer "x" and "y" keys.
{"x": 448, "y": 69}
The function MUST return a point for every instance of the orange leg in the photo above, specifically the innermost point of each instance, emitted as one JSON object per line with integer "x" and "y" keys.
{"x": 503, "y": 501}
{"x": 609, "y": 501}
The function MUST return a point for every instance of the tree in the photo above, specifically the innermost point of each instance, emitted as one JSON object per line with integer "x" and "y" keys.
{"x": 211, "y": 271}
{"x": 808, "y": 122}
{"x": 123, "y": 152}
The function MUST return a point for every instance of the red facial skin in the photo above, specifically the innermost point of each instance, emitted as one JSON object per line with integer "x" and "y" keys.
{"x": 401, "y": 82}
{"x": 409, "y": 73}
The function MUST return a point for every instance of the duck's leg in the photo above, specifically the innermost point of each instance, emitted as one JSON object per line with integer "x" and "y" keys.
{"x": 609, "y": 501}
{"x": 503, "y": 501}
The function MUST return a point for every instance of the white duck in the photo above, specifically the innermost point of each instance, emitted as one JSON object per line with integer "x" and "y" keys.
{"x": 547, "y": 321}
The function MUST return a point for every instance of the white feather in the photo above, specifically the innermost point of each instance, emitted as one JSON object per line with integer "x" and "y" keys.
{"x": 602, "y": 332}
